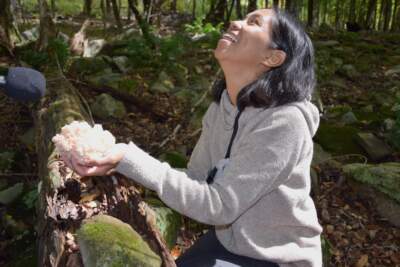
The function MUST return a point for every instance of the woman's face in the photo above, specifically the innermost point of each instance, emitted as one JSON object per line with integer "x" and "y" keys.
{"x": 246, "y": 41}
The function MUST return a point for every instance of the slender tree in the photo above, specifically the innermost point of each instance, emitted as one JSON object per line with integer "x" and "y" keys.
{"x": 251, "y": 6}
{"x": 313, "y": 13}
{"x": 352, "y": 12}
{"x": 5, "y": 25}
{"x": 387, "y": 15}
{"x": 238, "y": 9}
{"x": 116, "y": 13}
{"x": 47, "y": 28}
{"x": 87, "y": 8}
{"x": 371, "y": 10}
{"x": 396, "y": 17}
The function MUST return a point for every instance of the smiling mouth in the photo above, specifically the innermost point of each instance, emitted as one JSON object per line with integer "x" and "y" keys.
{"x": 229, "y": 37}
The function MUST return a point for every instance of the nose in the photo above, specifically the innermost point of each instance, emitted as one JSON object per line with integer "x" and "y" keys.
{"x": 234, "y": 25}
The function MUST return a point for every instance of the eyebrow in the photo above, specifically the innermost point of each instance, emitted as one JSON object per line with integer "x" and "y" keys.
{"x": 254, "y": 14}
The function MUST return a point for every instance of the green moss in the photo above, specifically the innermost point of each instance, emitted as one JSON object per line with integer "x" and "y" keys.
{"x": 385, "y": 177}
{"x": 168, "y": 221}
{"x": 106, "y": 241}
{"x": 338, "y": 139}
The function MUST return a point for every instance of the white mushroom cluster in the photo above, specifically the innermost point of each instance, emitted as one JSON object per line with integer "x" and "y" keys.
{"x": 83, "y": 142}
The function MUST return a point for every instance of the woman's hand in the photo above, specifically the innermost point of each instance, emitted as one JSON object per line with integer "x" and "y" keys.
{"x": 102, "y": 166}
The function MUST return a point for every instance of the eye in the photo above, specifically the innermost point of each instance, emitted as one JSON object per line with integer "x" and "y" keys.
{"x": 254, "y": 20}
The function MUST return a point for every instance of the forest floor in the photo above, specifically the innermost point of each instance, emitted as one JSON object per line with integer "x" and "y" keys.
{"x": 357, "y": 234}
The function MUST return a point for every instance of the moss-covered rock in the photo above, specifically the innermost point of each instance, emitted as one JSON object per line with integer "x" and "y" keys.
{"x": 106, "y": 241}
{"x": 168, "y": 221}
{"x": 105, "y": 107}
{"x": 385, "y": 177}
{"x": 338, "y": 139}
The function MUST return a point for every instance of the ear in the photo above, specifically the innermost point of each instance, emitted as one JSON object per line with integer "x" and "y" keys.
{"x": 274, "y": 58}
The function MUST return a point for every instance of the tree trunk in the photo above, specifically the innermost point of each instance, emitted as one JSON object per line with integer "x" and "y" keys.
{"x": 313, "y": 14}
{"x": 194, "y": 10}
{"x": 352, "y": 11}
{"x": 396, "y": 16}
{"x": 337, "y": 14}
{"x": 173, "y": 5}
{"x": 65, "y": 199}
{"x": 387, "y": 15}
{"x": 275, "y": 3}
{"x": 371, "y": 9}
{"x": 252, "y": 5}
{"x": 116, "y": 13}
{"x": 142, "y": 24}
{"x": 87, "y": 8}
{"x": 362, "y": 13}
{"x": 47, "y": 27}
{"x": 5, "y": 26}
{"x": 217, "y": 12}
{"x": 238, "y": 9}
{"x": 266, "y": 4}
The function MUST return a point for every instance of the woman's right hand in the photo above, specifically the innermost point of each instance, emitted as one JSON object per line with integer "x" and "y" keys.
{"x": 99, "y": 167}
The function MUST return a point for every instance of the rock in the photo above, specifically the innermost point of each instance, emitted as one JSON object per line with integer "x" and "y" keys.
{"x": 28, "y": 139}
{"x": 31, "y": 35}
{"x": 6, "y": 160}
{"x": 375, "y": 147}
{"x": 338, "y": 139}
{"x": 336, "y": 111}
{"x": 105, "y": 107}
{"x": 115, "y": 81}
{"x": 349, "y": 118}
{"x": 368, "y": 109}
{"x": 381, "y": 183}
{"x": 393, "y": 70}
{"x": 93, "y": 47}
{"x": 168, "y": 221}
{"x": 349, "y": 71}
{"x": 388, "y": 124}
{"x": 107, "y": 241}
{"x": 319, "y": 155}
{"x": 10, "y": 194}
{"x": 81, "y": 67}
{"x": 163, "y": 84}
{"x": 122, "y": 63}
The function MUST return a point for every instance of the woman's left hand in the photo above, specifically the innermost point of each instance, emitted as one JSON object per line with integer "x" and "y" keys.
{"x": 102, "y": 166}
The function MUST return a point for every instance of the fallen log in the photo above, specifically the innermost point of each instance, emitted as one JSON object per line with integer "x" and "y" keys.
{"x": 67, "y": 202}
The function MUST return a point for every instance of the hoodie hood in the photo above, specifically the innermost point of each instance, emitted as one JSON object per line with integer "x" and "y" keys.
{"x": 306, "y": 107}
{"x": 310, "y": 113}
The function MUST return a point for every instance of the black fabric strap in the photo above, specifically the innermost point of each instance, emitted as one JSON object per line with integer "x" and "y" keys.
{"x": 213, "y": 171}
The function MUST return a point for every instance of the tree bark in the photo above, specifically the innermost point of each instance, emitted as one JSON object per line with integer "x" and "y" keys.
{"x": 252, "y": 5}
{"x": 352, "y": 11}
{"x": 238, "y": 9}
{"x": 87, "y": 8}
{"x": 371, "y": 9}
{"x": 64, "y": 197}
{"x": 387, "y": 15}
{"x": 313, "y": 14}
{"x": 5, "y": 26}
{"x": 47, "y": 27}
{"x": 116, "y": 14}
{"x": 396, "y": 17}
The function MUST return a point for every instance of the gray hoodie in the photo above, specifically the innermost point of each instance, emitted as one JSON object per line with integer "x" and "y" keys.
{"x": 259, "y": 203}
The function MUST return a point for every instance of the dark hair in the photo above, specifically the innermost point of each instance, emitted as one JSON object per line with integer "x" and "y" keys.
{"x": 293, "y": 80}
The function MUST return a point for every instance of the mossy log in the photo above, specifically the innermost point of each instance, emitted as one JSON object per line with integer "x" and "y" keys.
{"x": 66, "y": 199}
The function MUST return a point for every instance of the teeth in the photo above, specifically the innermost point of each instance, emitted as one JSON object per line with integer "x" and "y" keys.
{"x": 230, "y": 37}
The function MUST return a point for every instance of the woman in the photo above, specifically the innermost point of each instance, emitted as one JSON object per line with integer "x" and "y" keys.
{"x": 249, "y": 173}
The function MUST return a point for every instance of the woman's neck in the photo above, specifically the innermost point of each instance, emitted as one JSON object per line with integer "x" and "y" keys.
{"x": 236, "y": 79}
